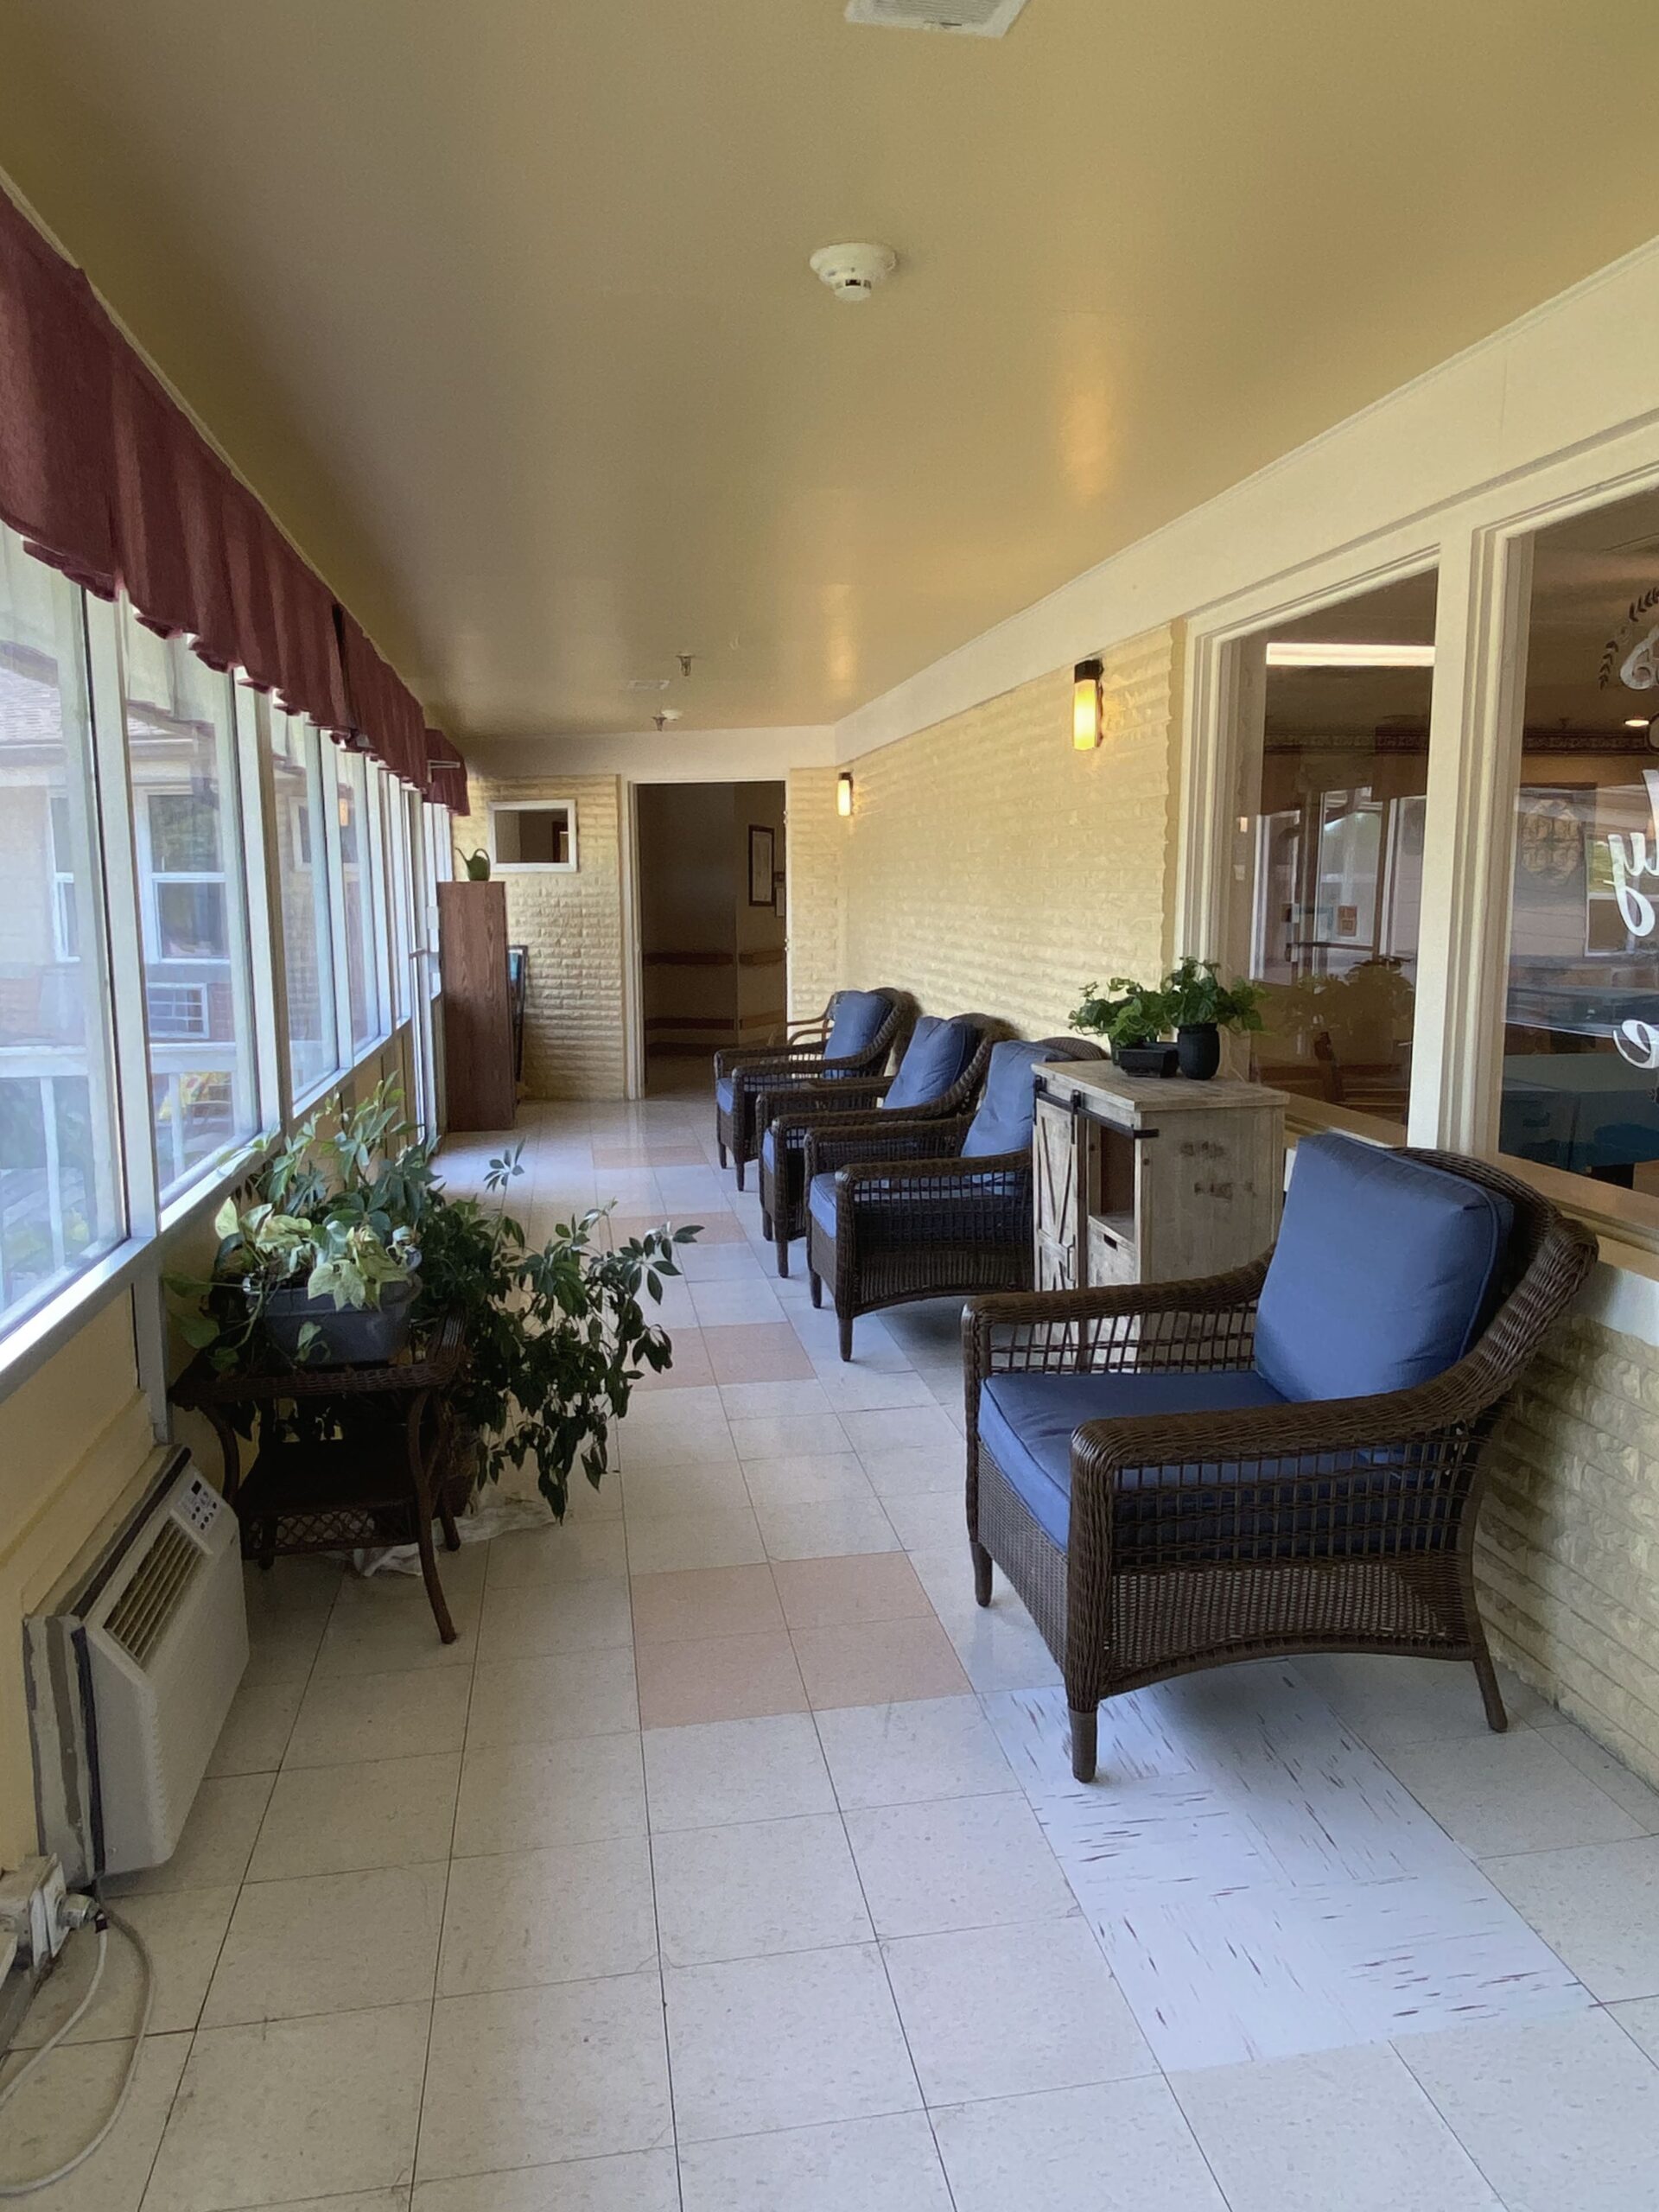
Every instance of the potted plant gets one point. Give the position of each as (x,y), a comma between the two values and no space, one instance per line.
(556,1335)
(1200,1006)
(1132,1018)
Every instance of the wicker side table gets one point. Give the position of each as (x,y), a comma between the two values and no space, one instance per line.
(379,1481)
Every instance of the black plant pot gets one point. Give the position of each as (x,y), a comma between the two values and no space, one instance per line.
(347,1335)
(1197,1048)
(1145,1059)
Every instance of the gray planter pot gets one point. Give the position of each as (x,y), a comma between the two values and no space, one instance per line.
(349,1336)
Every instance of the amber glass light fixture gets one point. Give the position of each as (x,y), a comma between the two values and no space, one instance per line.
(844,792)
(1085,705)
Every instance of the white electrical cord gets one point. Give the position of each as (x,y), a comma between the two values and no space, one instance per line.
(104,1919)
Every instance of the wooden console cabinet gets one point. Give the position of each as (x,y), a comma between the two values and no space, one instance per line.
(480,1092)
(1142,1178)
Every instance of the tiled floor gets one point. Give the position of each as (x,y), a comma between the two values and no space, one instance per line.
(731,1861)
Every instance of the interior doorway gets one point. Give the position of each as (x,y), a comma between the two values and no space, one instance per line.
(713,956)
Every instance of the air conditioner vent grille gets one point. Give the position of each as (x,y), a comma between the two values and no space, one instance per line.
(971,18)
(141,1614)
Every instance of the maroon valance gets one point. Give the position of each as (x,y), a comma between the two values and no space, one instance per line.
(103,474)
(448,772)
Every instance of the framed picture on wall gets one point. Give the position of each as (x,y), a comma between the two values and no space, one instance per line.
(760,857)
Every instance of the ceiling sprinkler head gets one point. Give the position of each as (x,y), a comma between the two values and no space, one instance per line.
(685,663)
(852,272)
(664,715)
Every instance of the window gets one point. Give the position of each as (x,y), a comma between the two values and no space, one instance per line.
(357,897)
(60,1200)
(192,914)
(526,833)
(1580,1069)
(440,868)
(1326,883)
(302,886)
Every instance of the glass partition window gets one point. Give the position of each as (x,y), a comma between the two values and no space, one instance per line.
(1328,856)
(302,884)
(357,898)
(440,868)
(60,1203)
(192,914)
(1580,1075)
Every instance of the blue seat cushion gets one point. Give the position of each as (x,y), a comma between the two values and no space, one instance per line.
(723,1093)
(1385,1272)
(822,1202)
(769,1149)
(1027,1423)
(1008,1107)
(859,1017)
(935,1058)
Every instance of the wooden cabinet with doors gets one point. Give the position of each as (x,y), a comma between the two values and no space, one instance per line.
(1142,1178)
(480,1092)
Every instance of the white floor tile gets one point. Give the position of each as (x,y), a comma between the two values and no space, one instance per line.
(907,1753)
(351,1718)
(929,1520)
(721,1772)
(748,1891)
(547,1700)
(1498,1794)
(1349,2127)
(893,1428)
(335,1820)
(1000,2012)
(1597,1906)
(961,1862)
(329,1943)
(808,1478)
(521,1623)
(521,1797)
(785,2042)
(218,1838)
(786,1436)
(729,1538)
(836,1528)
(536,1916)
(47,2123)
(915,1470)
(657,1493)
(1640,2021)
(1562,2114)
(1392,1702)
(182,1930)
(856,1389)
(257,1726)
(636,2181)
(1628,1791)
(294,2108)
(888,2164)
(539,1559)
(729,1305)
(1123,2147)
(526,2077)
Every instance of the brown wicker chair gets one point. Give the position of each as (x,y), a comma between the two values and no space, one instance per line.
(743,1074)
(818,1108)
(1197,1538)
(913,1217)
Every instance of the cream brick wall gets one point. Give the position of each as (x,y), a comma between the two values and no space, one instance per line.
(573,1038)
(817,906)
(989,866)
(1568,1551)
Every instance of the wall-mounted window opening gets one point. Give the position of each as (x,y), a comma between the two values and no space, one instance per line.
(533,834)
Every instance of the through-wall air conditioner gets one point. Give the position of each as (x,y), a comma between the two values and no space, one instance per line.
(130,1671)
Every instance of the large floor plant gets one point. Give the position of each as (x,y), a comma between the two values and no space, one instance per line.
(557,1333)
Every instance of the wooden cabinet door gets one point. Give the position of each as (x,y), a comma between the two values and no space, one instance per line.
(480,1087)
(1053,1162)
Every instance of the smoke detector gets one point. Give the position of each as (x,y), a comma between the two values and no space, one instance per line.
(852,272)
(971,18)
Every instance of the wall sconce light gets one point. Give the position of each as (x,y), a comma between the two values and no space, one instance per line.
(844,792)
(1085,705)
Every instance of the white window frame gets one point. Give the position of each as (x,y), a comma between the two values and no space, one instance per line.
(500,807)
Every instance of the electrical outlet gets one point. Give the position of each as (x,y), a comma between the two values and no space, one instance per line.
(34,1910)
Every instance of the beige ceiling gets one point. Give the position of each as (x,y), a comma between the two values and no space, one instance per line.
(503,304)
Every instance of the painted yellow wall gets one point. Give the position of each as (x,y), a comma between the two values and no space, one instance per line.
(574,1043)
(988,867)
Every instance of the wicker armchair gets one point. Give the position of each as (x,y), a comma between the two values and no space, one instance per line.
(863,1029)
(1211,1519)
(912,1094)
(896,1214)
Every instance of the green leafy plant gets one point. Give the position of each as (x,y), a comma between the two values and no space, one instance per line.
(1126,1014)
(1194,996)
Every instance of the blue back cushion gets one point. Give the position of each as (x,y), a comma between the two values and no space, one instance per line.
(1384,1275)
(934,1060)
(1009,1104)
(859,1017)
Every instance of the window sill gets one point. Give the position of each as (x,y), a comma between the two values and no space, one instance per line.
(28,1343)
